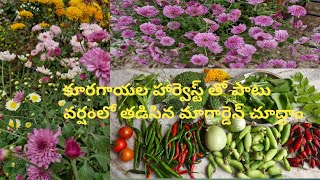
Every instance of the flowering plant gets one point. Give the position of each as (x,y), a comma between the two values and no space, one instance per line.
(233,34)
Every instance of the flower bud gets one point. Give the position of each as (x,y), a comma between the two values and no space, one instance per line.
(72,149)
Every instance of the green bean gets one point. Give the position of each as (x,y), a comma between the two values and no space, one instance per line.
(236,164)
(274,170)
(199,141)
(258,147)
(218,154)
(268,164)
(258,156)
(256,165)
(242,176)
(255,174)
(266,144)
(258,129)
(233,144)
(280,127)
(247,142)
(236,154)
(281,154)
(137,149)
(210,170)
(225,167)
(240,147)
(229,139)
(273,141)
(286,164)
(167,168)
(156,171)
(275,132)
(143,128)
(285,134)
(245,131)
(270,154)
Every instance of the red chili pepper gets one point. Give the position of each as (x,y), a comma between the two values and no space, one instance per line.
(199,155)
(289,142)
(306,125)
(183,172)
(303,143)
(316,142)
(299,130)
(316,132)
(294,164)
(303,154)
(312,163)
(175,128)
(299,156)
(307,149)
(291,149)
(308,134)
(293,129)
(149,173)
(318,163)
(182,159)
(297,143)
(314,151)
(193,159)
(294,160)
(187,127)
(177,151)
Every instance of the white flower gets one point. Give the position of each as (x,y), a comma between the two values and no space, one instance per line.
(3,93)
(34,97)
(43,70)
(28,64)
(15,124)
(61,103)
(11,105)
(55,29)
(22,57)
(45,36)
(6,56)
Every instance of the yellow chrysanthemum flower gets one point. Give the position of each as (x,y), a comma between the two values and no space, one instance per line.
(99,16)
(58,3)
(34,97)
(13,164)
(26,14)
(85,19)
(43,25)
(73,13)
(11,105)
(60,12)
(44,1)
(75,2)
(91,10)
(82,7)
(16,26)
(106,1)
(215,75)
(28,124)
(97,6)
(61,103)
(15,124)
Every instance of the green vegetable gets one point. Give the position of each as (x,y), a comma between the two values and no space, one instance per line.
(213,102)
(273,142)
(274,170)
(268,164)
(256,165)
(245,131)
(285,134)
(225,167)
(186,78)
(258,147)
(281,154)
(229,138)
(210,170)
(216,138)
(242,176)
(247,142)
(270,154)
(236,164)
(240,147)
(286,164)
(175,102)
(255,174)
(237,125)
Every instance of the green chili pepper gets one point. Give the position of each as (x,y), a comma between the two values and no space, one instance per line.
(190,147)
(173,151)
(167,168)
(159,129)
(151,142)
(199,141)
(273,141)
(247,142)
(212,161)
(137,149)
(167,141)
(156,171)
(135,171)
(285,134)
(143,128)
(177,137)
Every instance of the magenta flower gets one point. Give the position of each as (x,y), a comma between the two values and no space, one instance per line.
(255,2)
(217,9)
(18,96)
(297,11)
(238,29)
(222,18)
(98,36)
(35,173)
(167,41)
(127,34)
(41,147)
(310,57)
(254,30)
(267,44)
(281,35)
(173,25)
(160,34)
(148,28)
(172,11)
(147,11)
(263,21)
(316,38)
(72,149)
(156,21)
(234,42)
(236,65)
(291,64)
(97,61)
(247,50)
(276,63)
(214,27)
(215,48)
(234,15)
(125,20)
(197,10)
(19,177)
(205,39)
(190,35)
(262,36)
(199,60)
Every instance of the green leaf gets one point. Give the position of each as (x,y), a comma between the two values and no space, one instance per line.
(303,99)
(310,90)
(310,107)
(315,97)
(304,82)
(103,161)
(86,172)
(298,76)
(316,112)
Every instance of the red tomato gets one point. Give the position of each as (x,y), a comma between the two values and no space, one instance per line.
(125,132)
(126,155)
(119,144)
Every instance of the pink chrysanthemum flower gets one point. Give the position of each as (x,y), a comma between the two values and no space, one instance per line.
(246,50)
(255,2)
(214,27)
(41,147)
(291,64)
(199,60)
(147,11)
(128,33)
(234,42)
(18,96)
(281,35)
(254,30)
(262,36)
(297,11)
(205,39)
(125,20)
(35,173)
(190,35)
(197,10)
(268,44)
(263,21)
(98,36)
(97,61)
(309,57)
(215,48)
(238,29)
(167,41)
(222,18)
(156,21)
(217,9)
(160,34)
(172,11)
(276,63)
(236,65)
(316,38)
(148,28)
(234,15)
(173,25)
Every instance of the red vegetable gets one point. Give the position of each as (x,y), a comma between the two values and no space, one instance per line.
(289,142)
(294,160)
(316,142)
(304,154)
(291,149)
(125,132)
(175,128)
(312,163)
(297,143)
(316,132)
(183,172)
(182,159)
(299,130)
(149,173)
(119,145)
(318,163)
(303,143)
(314,151)
(307,149)
(306,125)
(187,127)
(177,151)
(293,129)
(308,134)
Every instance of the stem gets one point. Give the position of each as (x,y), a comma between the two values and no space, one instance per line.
(17,135)
(74,168)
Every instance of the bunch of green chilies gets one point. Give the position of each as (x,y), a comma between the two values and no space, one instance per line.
(165,156)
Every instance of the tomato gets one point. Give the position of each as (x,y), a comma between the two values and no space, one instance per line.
(126,155)
(125,132)
(119,145)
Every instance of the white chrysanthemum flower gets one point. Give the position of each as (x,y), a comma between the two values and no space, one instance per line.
(34,97)
(6,56)
(11,105)
(44,70)
(61,103)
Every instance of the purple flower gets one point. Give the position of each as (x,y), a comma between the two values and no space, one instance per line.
(291,64)
(128,33)
(298,24)
(263,21)
(316,38)
(98,36)
(262,36)
(19,177)
(97,61)
(222,18)
(4,154)
(41,147)
(156,21)
(199,60)
(238,29)
(254,30)
(247,50)
(267,44)
(172,11)
(54,52)
(309,57)
(72,149)
(197,10)
(190,35)
(234,15)
(214,27)
(276,25)
(147,11)
(302,40)
(148,28)
(255,2)
(35,173)
(234,42)
(236,65)
(125,20)
(281,35)
(18,96)
(215,48)
(276,63)
(173,25)
(167,41)
(160,34)
(205,39)
(297,11)
(217,9)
